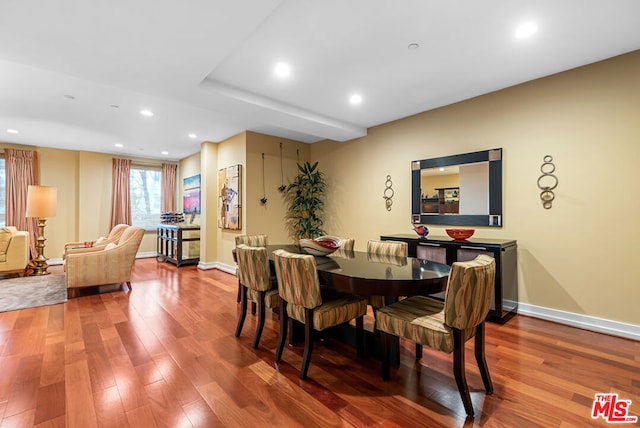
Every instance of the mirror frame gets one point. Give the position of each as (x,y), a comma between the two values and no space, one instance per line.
(494,218)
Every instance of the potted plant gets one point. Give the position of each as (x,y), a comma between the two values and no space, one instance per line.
(305,198)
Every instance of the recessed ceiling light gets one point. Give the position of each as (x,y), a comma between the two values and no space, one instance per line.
(282,69)
(119,145)
(147,113)
(526,30)
(192,135)
(355,99)
(13,131)
(70,97)
(413,46)
(114,106)
(164,152)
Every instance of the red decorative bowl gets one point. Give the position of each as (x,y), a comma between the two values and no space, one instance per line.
(460,234)
(322,246)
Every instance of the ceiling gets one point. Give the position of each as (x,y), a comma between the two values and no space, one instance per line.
(75,74)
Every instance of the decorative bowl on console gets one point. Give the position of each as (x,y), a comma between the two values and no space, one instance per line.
(322,246)
(460,234)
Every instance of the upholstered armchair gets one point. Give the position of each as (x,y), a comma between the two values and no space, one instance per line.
(14,251)
(446,326)
(110,264)
(98,244)
(301,299)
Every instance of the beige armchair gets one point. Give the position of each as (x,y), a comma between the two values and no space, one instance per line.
(14,251)
(98,244)
(110,264)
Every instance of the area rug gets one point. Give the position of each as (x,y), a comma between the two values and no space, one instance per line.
(32,291)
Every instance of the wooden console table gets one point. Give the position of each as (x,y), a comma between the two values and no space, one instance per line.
(171,242)
(445,250)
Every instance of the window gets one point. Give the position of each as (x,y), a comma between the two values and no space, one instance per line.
(3,193)
(145,184)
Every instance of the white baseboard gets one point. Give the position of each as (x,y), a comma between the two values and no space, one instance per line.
(586,322)
(217,265)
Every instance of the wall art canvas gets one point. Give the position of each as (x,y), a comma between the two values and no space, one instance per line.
(191,195)
(229,197)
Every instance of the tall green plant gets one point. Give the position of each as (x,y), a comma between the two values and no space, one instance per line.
(305,198)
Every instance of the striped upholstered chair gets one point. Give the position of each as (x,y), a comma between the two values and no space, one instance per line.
(252,241)
(302,300)
(382,249)
(257,286)
(109,265)
(446,326)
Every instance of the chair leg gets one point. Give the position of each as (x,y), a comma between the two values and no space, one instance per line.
(283,329)
(243,310)
(458,370)
(261,316)
(129,285)
(480,359)
(418,351)
(239,292)
(360,336)
(253,308)
(386,355)
(308,342)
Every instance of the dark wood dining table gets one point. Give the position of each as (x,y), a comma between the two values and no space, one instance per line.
(376,275)
(372,275)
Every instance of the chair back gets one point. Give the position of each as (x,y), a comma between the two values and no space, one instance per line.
(252,240)
(388,248)
(116,232)
(253,264)
(468,296)
(298,281)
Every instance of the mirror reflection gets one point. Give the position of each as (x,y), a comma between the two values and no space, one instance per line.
(455,189)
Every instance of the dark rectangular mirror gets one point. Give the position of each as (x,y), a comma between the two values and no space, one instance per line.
(458,190)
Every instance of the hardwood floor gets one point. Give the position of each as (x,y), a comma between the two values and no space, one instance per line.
(165,355)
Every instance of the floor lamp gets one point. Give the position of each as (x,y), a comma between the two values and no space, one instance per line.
(41,203)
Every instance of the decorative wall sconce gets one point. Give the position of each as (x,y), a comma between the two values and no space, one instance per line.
(388,193)
(547,168)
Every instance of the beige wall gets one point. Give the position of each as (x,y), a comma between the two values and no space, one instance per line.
(270,216)
(579,256)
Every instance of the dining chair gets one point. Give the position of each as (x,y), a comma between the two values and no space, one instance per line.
(257,286)
(446,326)
(302,300)
(252,241)
(388,249)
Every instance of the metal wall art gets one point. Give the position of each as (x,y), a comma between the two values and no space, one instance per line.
(547,182)
(282,186)
(263,200)
(388,193)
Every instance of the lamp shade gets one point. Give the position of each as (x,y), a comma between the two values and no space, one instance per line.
(42,201)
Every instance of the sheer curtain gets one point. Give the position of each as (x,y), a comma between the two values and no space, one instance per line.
(121,199)
(20,167)
(168,196)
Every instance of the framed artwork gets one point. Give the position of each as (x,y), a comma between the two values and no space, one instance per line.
(191,195)
(230,198)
